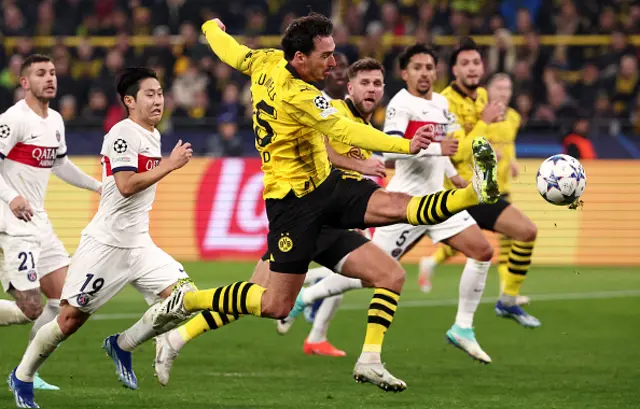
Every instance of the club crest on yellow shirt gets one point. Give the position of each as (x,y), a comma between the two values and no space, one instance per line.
(285,244)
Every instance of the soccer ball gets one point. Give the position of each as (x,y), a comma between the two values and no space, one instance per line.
(561,180)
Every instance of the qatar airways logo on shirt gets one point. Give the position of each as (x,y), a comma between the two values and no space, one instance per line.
(44,156)
(33,155)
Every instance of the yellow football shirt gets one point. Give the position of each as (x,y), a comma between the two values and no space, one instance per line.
(347,108)
(291,118)
(468,112)
(502,136)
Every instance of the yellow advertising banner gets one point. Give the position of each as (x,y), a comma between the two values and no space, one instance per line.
(213,209)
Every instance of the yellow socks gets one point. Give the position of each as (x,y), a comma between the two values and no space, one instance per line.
(443,253)
(518,266)
(381,310)
(203,322)
(438,207)
(239,298)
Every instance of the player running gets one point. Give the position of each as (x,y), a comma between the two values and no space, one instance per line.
(409,109)
(33,261)
(469,102)
(116,248)
(333,246)
(303,194)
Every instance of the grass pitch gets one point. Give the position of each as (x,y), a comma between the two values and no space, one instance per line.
(585,355)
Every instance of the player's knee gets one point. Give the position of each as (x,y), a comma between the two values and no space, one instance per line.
(529,232)
(483,252)
(392,279)
(69,323)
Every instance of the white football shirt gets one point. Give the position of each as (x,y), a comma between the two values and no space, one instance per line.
(29,147)
(124,221)
(424,173)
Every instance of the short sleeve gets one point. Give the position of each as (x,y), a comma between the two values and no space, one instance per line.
(10,133)
(62,148)
(122,151)
(396,120)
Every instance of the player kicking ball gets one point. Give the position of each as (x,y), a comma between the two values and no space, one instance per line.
(303,193)
(116,248)
(415,106)
(32,145)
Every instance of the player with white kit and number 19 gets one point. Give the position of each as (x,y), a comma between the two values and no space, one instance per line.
(33,261)
(116,248)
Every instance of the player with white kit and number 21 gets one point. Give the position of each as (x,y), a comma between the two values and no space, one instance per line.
(33,261)
(116,248)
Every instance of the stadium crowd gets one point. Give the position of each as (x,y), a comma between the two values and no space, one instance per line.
(553,84)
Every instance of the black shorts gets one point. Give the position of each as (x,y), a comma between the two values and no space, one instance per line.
(333,245)
(295,223)
(486,215)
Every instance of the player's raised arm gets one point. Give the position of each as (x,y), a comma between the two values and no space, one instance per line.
(228,49)
(312,109)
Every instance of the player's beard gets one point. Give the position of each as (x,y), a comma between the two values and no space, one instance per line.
(40,96)
(471,87)
(363,111)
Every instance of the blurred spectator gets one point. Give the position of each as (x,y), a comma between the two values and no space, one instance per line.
(24,47)
(161,50)
(113,64)
(524,23)
(14,23)
(86,64)
(502,56)
(199,110)
(585,90)
(225,141)
(141,21)
(187,84)
(9,80)
(624,86)
(231,102)
(256,22)
(341,37)
(559,109)
(522,81)
(370,44)
(576,142)
(68,108)
(524,106)
(46,20)
(96,108)
(619,47)
(391,21)
(601,123)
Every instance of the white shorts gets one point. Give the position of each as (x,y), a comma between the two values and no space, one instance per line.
(98,272)
(397,239)
(24,260)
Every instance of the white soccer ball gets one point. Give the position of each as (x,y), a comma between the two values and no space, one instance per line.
(561,180)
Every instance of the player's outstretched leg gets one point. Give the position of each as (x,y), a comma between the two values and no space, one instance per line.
(169,345)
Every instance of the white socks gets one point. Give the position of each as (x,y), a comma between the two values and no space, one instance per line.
(324,315)
(49,313)
(335,284)
(45,342)
(472,281)
(140,332)
(316,274)
(11,314)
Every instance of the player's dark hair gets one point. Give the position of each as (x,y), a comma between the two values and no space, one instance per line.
(33,59)
(300,34)
(415,49)
(364,64)
(465,44)
(128,82)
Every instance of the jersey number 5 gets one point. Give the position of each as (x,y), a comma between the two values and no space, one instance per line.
(262,129)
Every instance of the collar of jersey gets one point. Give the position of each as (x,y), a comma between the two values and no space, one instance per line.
(354,110)
(457,89)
